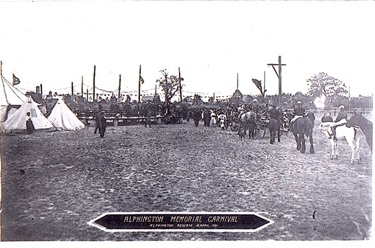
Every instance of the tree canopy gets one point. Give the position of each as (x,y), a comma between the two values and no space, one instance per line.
(325,85)
(169,84)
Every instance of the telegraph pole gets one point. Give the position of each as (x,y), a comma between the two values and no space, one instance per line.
(278,74)
(119,89)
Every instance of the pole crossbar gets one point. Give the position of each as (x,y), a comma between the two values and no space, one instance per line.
(278,74)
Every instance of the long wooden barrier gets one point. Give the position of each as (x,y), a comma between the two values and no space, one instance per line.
(125,121)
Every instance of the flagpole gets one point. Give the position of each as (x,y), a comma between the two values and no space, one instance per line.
(119,88)
(179,81)
(139,85)
(237,81)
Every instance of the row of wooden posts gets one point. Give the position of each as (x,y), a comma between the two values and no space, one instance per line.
(140,79)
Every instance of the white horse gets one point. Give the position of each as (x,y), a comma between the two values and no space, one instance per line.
(342,133)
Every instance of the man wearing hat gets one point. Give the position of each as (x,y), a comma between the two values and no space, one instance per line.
(298,111)
(327,118)
(341,118)
(342,114)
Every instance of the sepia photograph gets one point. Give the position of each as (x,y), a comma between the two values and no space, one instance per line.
(186,121)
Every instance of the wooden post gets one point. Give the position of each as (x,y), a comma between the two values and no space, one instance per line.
(93,85)
(72,88)
(82,86)
(87,94)
(264,83)
(237,81)
(280,87)
(349,100)
(179,81)
(41,91)
(139,85)
(119,89)
(278,74)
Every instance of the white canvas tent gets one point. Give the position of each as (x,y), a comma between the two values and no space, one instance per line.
(10,99)
(63,118)
(16,122)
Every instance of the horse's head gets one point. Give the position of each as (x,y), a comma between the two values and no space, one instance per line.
(354,120)
(311,116)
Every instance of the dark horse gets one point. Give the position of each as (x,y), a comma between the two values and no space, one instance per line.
(303,127)
(358,120)
(274,126)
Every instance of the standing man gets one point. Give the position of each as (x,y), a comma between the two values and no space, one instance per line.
(206,117)
(102,125)
(197,116)
(97,121)
(29,124)
(148,118)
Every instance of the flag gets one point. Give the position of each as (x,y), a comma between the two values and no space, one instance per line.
(257,83)
(141,79)
(16,80)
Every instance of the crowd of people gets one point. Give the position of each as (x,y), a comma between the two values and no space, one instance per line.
(222,115)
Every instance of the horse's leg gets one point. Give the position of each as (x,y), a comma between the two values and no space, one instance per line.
(312,150)
(334,147)
(357,148)
(352,147)
(297,141)
(303,143)
(278,133)
(272,140)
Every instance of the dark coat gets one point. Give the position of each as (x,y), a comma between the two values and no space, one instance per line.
(300,111)
(341,115)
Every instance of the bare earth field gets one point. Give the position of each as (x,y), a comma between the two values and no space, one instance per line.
(54,183)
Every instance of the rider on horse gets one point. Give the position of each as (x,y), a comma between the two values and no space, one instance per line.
(341,119)
(298,111)
(274,113)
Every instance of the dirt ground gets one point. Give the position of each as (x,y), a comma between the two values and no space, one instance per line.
(54,183)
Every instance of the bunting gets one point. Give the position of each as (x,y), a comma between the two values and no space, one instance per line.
(257,83)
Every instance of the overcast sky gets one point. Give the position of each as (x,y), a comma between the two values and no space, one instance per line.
(55,44)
